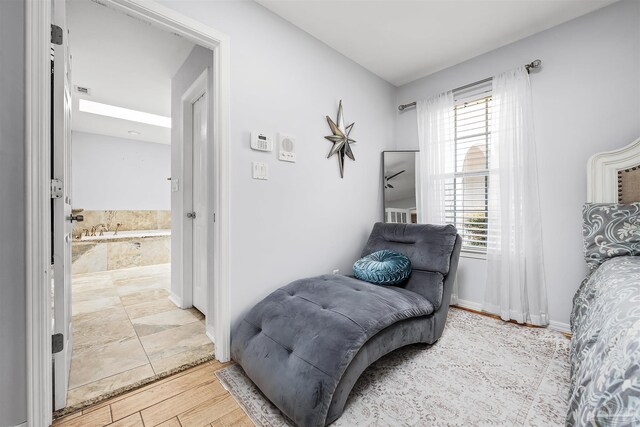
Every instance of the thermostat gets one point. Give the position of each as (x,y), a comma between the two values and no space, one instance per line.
(261,142)
(286,148)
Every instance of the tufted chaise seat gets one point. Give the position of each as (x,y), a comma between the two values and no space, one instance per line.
(307,343)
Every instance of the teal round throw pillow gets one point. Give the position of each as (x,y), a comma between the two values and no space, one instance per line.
(384,267)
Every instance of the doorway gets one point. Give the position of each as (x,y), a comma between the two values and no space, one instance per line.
(119,327)
(38,211)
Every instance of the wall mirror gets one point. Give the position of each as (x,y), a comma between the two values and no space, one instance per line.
(399,181)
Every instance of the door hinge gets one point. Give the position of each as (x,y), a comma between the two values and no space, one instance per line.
(56,188)
(56,34)
(57,343)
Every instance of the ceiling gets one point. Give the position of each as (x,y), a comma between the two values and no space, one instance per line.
(401,41)
(124,62)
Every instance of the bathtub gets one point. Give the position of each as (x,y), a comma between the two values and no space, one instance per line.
(128,248)
(125,234)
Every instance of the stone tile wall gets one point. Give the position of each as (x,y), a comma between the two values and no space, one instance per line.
(91,256)
(116,252)
(129,220)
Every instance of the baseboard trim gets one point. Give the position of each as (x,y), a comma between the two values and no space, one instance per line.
(560,327)
(176,300)
(471,305)
(477,308)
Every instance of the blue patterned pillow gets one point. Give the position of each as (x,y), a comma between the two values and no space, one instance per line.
(610,230)
(384,267)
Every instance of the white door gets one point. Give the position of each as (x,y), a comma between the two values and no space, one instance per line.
(199,136)
(61,204)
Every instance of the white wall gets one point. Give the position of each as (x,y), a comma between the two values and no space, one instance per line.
(586,100)
(111,173)
(13,347)
(304,220)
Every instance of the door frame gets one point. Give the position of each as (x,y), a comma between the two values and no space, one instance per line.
(183,262)
(38,197)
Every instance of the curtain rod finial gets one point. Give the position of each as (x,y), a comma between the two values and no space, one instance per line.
(535,64)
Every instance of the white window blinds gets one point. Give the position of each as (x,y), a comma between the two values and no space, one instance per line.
(466,191)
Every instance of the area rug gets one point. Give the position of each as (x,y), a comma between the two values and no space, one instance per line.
(481,372)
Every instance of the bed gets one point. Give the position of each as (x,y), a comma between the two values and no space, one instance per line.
(307,343)
(605,319)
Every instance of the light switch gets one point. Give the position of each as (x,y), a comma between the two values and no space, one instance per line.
(175,185)
(259,170)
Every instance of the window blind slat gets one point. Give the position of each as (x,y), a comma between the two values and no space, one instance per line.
(466,192)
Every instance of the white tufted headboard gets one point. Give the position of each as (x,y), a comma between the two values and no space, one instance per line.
(614,176)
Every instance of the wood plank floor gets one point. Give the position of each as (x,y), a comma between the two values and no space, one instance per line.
(194,397)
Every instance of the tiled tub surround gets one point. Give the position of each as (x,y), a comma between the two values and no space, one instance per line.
(126,331)
(129,220)
(143,238)
(126,249)
(122,235)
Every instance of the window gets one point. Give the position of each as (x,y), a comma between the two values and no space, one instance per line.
(466,195)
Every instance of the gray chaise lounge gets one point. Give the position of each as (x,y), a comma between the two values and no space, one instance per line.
(307,343)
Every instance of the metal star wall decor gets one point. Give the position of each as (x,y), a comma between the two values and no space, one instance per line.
(340,139)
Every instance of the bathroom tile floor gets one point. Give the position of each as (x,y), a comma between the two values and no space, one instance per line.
(125,330)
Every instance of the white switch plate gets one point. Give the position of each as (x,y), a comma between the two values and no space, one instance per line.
(175,185)
(259,170)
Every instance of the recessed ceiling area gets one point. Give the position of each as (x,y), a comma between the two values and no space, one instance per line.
(401,41)
(124,63)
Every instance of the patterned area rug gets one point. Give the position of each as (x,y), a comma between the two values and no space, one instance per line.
(481,372)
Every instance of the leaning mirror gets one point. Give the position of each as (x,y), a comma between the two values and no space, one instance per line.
(399,180)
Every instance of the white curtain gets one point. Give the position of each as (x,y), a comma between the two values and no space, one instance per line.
(437,161)
(516,286)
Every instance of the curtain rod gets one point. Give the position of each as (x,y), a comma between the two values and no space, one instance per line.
(535,64)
